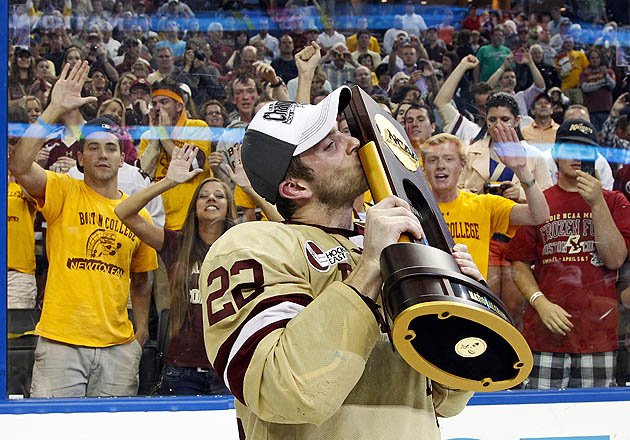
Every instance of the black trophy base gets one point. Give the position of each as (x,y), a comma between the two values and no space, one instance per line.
(447,326)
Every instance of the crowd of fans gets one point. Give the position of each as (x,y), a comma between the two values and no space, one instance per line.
(173,75)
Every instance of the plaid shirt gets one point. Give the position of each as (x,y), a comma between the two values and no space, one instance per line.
(339,77)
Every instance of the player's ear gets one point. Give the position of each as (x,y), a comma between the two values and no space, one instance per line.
(294,189)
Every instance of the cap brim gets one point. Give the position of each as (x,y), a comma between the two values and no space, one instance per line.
(576,140)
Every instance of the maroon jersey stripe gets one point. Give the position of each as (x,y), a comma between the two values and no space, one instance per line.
(240,361)
(220,361)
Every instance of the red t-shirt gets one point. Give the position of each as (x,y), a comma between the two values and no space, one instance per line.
(571,274)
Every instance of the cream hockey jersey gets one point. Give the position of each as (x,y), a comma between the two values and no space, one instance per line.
(300,350)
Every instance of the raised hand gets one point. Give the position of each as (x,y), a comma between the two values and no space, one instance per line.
(428,69)
(469,62)
(508,147)
(308,58)
(237,172)
(266,72)
(181,161)
(589,187)
(215,159)
(508,61)
(66,94)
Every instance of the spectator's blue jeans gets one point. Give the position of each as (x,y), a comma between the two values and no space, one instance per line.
(187,381)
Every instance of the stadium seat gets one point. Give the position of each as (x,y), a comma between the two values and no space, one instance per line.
(21,349)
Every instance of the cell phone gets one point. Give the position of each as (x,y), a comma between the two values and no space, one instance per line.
(588,166)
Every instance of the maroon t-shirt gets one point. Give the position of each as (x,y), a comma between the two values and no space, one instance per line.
(187,349)
(571,274)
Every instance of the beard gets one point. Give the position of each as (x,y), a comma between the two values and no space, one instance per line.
(338,190)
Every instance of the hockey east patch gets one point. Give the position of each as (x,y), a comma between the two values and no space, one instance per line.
(321,260)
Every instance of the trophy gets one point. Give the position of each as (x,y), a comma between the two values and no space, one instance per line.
(445,325)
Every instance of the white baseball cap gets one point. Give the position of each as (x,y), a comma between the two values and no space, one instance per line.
(284,129)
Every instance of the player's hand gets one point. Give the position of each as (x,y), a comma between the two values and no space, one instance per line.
(181,161)
(589,187)
(308,58)
(385,223)
(555,318)
(465,262)
(619,104)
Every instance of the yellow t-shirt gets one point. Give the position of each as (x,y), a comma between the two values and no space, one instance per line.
(91,255)
(352,44)
(176,200)
(20,231)
(571,65)
(244,201)
(472,219)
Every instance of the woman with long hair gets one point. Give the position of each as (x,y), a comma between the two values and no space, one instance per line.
(211,212)
(121,91)
(72,55)
(23,80)
(114,109)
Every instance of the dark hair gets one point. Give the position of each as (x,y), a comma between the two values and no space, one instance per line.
(381,69)
(502,99)
(421,107)
(170,84)
(453,57)
(298,170)
(363,32)
(192,251)
(382,99)
(216,102)
(364,56)
(402,91)
(243,77)
(481,88)
(17,114)
(463,37)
